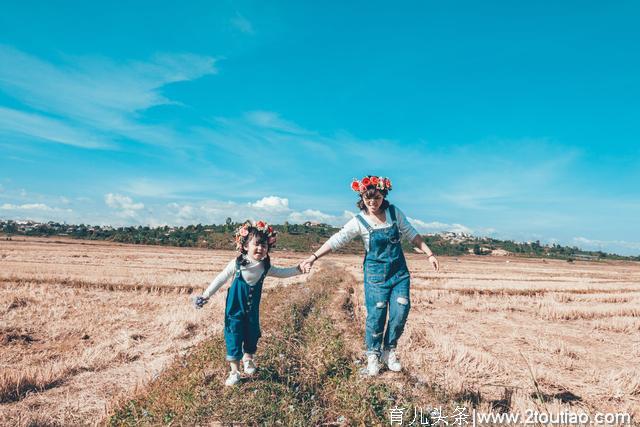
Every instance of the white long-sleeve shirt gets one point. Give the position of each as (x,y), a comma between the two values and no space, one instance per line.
(355,228)
(251,273)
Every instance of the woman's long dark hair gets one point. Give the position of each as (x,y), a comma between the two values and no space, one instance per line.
(370,193)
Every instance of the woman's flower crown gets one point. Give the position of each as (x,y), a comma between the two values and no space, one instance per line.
(369,181)
(242,233)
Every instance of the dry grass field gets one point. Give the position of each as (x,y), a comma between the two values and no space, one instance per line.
(85,324)
(505,331)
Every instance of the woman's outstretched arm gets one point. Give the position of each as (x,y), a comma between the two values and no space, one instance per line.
(322,251)
(419,243)
(338,240)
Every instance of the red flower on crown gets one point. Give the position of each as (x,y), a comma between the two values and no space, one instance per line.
(378,182)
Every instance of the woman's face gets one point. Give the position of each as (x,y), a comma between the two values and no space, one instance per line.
(373,203)
(256,250)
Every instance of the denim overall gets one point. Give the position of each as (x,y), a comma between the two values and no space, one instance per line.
(386,286)
(242,315)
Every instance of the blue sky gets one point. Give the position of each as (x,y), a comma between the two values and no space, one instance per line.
(510,119)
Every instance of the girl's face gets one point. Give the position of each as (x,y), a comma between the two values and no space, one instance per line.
(256,249)
(373,203)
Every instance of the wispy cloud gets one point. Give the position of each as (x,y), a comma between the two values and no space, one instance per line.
(47,129)
(90,95)
(594,244)
(530,174)
(242,24)
(272,120)
(27,207)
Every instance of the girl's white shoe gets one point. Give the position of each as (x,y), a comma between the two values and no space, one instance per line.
(391,360)
(249,366)
(373,365)
(234,378)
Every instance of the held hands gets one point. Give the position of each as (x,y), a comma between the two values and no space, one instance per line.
(198,301)
(305,266)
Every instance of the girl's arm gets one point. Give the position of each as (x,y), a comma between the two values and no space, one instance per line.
(220,279)
(350,230)
(415,238)
(284,272)
(199,301)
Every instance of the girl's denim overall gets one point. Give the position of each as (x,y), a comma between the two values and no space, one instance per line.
(386,286)
(242,315)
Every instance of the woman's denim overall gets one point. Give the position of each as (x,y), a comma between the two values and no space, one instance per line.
(242,315)
(386,286)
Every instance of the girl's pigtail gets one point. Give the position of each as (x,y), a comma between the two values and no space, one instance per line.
(241,259)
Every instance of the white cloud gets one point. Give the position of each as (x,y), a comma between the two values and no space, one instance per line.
(183,212)
(272,203)
(34,211)
(118,201)
(26,206)
(436,226)
(242,23)
(272,209)
(124,205)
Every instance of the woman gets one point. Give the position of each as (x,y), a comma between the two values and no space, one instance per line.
(386,277)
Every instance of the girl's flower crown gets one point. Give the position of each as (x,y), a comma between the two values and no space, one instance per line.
(369,181)
(242,233)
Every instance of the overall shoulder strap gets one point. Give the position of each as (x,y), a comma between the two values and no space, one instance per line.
(364,222)
(238,265)
(267,266)
(392,213)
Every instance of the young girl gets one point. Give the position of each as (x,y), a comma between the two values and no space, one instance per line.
(386,277)
(242,312)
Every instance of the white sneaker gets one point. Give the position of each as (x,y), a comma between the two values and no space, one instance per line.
(249,366)
(234,378)
(373,365)
(391,360)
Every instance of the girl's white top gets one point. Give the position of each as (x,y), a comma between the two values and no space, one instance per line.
(355,228)
(251,273)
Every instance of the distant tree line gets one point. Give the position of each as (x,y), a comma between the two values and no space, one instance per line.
(293,237)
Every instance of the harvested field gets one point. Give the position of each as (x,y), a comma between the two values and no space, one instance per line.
(86,325)
(486,328)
